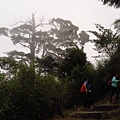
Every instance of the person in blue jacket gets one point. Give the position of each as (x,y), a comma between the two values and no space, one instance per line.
(114,88)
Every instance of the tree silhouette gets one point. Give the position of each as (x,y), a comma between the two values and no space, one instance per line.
(61,35)
(114,3)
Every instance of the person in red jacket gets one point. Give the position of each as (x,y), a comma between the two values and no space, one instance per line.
(85,90)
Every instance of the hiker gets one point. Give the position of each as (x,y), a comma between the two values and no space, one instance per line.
(114,88)
(85,91)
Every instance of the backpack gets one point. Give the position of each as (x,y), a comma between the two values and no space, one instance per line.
(82,89)
(109,82)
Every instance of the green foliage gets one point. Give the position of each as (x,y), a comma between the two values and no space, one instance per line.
(48,65)
(26,75)
(8,64)
(2,77)
(106,41)
(29,96)
(73,58)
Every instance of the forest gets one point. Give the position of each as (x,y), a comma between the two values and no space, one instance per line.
(55,66)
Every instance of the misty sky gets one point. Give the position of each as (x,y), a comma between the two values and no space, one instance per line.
(82,13)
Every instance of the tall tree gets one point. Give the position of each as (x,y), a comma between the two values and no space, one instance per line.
(62,34)
(65,35)
(52,42)
(27,35)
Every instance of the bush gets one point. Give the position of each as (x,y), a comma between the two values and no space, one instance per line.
(29,97)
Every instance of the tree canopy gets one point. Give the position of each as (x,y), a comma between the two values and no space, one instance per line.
(61,35)
(106,42)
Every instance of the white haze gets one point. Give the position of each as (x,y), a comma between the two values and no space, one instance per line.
(82,13)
